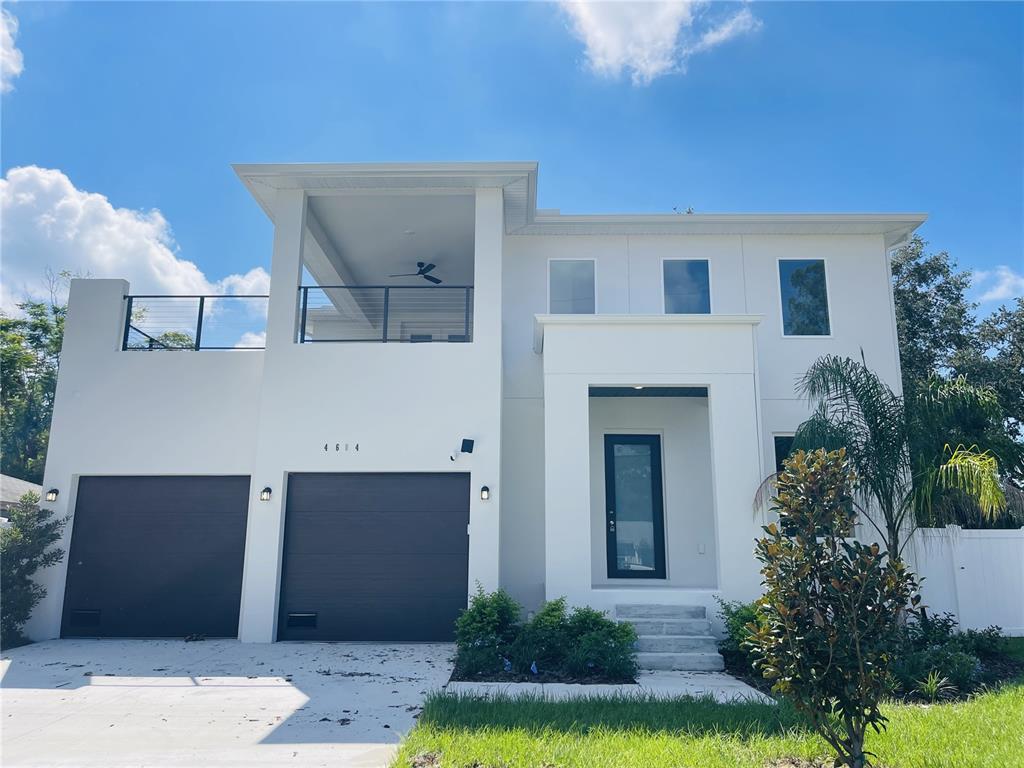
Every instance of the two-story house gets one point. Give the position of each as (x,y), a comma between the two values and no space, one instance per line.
(455,389)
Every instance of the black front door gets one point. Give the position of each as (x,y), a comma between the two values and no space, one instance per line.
(634,507)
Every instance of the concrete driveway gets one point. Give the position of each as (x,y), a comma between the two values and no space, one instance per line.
(212,703)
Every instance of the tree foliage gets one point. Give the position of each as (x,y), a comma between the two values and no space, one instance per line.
(828,621)
(26,546)
(940,335)
(29,353)
(908,452)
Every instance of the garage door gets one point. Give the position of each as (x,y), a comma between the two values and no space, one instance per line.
(374,556)
(156,557)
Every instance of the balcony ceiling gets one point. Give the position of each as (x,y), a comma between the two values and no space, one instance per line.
(377,235)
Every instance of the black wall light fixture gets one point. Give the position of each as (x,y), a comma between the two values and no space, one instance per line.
(485,493)
(51,495)
(265,494)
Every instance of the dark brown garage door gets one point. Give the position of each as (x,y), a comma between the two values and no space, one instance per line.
(156,557)
(374,556)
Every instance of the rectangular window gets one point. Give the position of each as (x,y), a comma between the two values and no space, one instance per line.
(687,286)
(804,297)
(783,447)
(571,287)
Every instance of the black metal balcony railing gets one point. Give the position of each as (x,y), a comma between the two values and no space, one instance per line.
(427,313)
(168,323)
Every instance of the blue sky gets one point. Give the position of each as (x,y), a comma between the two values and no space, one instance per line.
(766,107)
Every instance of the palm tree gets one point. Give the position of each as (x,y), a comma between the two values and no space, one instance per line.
(901,447)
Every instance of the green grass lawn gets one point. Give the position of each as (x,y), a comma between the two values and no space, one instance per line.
(459,732)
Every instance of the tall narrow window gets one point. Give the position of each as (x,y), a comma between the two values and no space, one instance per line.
(804,297)
(783,447)
(571,287)
(687,286)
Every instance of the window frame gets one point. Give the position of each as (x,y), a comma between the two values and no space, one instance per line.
(828,298)
(664,303)
(592,260)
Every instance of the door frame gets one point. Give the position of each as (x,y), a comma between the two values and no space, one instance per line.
(657,495)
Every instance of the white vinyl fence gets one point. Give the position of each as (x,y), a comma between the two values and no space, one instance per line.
(978,576)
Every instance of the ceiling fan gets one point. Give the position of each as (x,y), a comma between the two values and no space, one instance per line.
(422,269)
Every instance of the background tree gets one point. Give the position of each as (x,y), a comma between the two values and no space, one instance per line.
(934,319)
(996,359)
(29,355)
(25,547)
(827,630)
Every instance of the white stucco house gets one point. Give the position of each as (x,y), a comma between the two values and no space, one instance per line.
(456,388)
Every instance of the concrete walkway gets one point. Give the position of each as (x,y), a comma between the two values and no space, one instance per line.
(717,685)
(113,703)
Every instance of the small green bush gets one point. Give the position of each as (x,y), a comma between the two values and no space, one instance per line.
(960,669)
(491,621)
(738,618)
(933,643)
(554,643)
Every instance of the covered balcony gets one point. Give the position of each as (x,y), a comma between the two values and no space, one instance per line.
(387,268)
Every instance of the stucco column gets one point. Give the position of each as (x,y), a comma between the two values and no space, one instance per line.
(484,515)
(264,538)
(737,470)
(94,330)
(567,488)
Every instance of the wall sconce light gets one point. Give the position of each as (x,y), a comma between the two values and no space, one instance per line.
(265,494)
(485,493)
(52,494)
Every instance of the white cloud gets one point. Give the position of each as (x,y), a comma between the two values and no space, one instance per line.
(998,284)
(250,339)
(12,63)
(650,39)
(48,223)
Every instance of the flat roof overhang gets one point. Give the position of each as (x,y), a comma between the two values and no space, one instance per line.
(519,182)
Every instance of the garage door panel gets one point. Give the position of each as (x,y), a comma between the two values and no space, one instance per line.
(385,556)
(156,557)
(399,492)
(383,532)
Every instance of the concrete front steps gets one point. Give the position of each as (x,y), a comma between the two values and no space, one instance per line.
(672,637)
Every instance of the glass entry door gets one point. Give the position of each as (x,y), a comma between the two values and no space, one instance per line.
(634,507)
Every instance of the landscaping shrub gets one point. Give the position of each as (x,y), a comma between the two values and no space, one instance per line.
(555,644)
(832,606)
(484,631)
(933,644)
(738,618)
(961,669)
(25,547)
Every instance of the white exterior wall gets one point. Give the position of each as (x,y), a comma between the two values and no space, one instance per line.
(628,276)
(269,413)
(138,413)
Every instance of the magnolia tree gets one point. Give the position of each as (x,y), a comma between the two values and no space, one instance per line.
(832,606)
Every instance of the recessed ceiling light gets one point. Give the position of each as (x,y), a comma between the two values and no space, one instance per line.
(637,387)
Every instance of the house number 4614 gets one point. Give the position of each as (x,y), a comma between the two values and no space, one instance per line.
(339,447)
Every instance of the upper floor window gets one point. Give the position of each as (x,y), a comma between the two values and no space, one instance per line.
(804,297)
(687,286)
(571,287)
